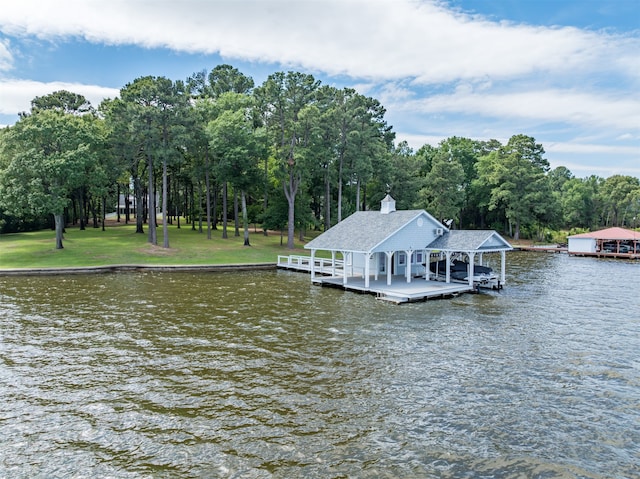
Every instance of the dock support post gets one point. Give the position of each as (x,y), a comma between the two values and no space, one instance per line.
(345,255)
(367,267)
(312,264)
(333,264)
(503,266)
(470,272)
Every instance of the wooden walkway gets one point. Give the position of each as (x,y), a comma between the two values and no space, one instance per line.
(563,249)
(399,291)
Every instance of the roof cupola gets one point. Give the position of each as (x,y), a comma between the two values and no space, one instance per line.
(387,205)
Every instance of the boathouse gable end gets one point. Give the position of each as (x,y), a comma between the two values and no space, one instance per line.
(470,240)
(413,236)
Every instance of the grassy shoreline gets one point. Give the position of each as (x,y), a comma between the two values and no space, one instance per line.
(119,245)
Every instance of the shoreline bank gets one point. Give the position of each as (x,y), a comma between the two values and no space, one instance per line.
(120,268)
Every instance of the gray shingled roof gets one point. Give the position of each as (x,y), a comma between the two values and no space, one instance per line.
(362,231)
(470,240)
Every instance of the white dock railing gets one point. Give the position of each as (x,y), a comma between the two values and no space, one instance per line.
(324,266)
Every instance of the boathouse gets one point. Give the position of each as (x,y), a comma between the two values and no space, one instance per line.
(388,252)
(608,242)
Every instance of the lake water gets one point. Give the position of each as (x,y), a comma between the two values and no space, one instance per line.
(263,375)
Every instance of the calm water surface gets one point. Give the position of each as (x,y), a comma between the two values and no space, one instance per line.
(262,375)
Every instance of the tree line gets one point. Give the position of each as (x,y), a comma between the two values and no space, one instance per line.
(288,154)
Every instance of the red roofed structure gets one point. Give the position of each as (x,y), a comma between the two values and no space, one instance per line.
(618,242)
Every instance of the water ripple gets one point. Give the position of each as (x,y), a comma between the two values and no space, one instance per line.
(263,375)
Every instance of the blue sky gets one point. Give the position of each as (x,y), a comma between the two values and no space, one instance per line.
(566,72)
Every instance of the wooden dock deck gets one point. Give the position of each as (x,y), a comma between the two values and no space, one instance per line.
(563,249)
(399,291)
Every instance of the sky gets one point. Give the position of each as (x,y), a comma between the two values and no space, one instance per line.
(566,72)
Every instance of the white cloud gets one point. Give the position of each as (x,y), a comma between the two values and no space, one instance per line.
(591,149)
(6,58)
(381,39)
(439,72)
(567,106)
(16,95)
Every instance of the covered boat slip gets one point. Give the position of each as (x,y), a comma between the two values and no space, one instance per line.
(611,242)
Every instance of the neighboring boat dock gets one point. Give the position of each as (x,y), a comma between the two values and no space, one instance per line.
(541,248)
(563,249)
(608,243)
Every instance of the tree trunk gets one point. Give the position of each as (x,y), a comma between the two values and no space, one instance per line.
(236,218)
(59,222)
(327,201)
(224,210)
(137,186)
(199,207)
(290,192)
(165,226)
(265,203)
(82,214)
(118,203)
(104,211)
(153,239)
(192,209)
(340,191)
(207,181)
(245,219)
(214,207)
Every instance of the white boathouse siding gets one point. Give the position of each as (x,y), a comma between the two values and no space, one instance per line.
(416,235)
(582,245)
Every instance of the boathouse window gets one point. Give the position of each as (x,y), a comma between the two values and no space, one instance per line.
(416,257)
(402,259)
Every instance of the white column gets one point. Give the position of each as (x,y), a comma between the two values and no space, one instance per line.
(345,256)
(333,264)
(503,266)
(377,266)
(367,266)
(470,271)
(408,269)
(313,264)
(389,259)
(448,267)
(427,258)
(480,259)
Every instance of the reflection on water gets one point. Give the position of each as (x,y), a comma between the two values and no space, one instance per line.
(261,374)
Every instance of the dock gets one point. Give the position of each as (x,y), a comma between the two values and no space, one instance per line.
(399,291)
(542,249)
(564,249)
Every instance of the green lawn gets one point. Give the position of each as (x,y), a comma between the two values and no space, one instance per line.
(120,244)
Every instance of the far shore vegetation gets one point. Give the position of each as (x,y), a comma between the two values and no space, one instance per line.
(290,154)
